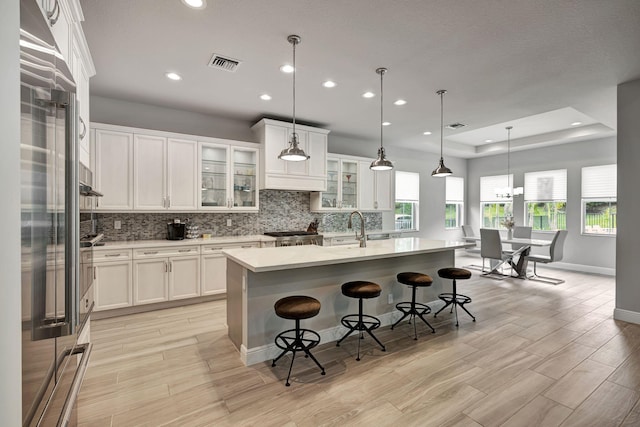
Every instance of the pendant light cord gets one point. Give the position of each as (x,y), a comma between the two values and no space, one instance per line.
(441,123)
(381,104)
(508,128)
(294,42)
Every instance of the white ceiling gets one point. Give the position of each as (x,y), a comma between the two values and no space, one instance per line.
(537,65)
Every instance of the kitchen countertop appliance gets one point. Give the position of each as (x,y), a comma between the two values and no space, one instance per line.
(295,238)
(176,230)
(53,361)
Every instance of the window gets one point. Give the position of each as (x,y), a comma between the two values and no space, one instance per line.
(407,200)
(545,197)
(599,200)
(493,207)
(454,207)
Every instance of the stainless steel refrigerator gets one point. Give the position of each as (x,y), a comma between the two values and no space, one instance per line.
(53,363)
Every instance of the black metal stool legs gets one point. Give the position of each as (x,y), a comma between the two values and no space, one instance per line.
(413,309)
(361,323)
(454,299)
(294,340)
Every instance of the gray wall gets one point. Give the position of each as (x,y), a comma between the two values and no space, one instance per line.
(10,356)
(597,252)
(628,243)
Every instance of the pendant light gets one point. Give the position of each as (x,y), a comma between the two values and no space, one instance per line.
(509,192)
(293,153)
(381,163)
(441,170)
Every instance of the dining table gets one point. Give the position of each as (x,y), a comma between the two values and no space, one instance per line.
(521,265)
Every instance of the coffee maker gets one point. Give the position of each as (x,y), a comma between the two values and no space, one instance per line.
(176,230)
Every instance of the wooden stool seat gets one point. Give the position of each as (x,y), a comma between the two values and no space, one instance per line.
(297,307)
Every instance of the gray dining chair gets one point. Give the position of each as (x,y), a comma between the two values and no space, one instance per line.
(556,250)
(491,248)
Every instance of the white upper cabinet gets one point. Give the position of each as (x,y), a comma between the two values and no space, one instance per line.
(228,177)
(113,152)
(343,186)
(156,171)
(376,188)
(308,175)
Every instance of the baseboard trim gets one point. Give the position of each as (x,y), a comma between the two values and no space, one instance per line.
(270,351)
(626,316)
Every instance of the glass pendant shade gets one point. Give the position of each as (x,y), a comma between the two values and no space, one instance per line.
(381,163)
(293,153)
(441,170)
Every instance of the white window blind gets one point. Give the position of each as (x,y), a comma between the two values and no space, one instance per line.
(454,188)
(490,184)
(599,182)
(407,186)
(545,186)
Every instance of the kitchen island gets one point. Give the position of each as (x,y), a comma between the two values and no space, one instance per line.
(257,278)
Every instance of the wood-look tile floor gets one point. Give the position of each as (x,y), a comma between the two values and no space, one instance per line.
(538,355)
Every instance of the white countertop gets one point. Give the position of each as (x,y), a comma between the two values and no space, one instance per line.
(285,258)
(133,244)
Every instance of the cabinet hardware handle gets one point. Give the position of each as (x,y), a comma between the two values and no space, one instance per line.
(151,253)
(94,272)
(170,266)
(165,267)
(111,255)
(216,249)
(54,13)
(184,250)
(248,246)
(84,128)
(164,202)
(168,202)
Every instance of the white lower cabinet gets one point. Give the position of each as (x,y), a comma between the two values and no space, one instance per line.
(214,266)
(165,274)
(112,279)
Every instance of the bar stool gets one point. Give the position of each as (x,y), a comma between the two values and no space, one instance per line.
(293,340)
(454,298)
(360,322)
(414,308)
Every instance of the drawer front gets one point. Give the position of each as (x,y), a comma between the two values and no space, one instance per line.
(212,249)
(111,255)
(165,252)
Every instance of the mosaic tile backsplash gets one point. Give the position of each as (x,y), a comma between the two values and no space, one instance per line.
(279,211)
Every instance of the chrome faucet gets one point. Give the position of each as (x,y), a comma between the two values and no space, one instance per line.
(363,236)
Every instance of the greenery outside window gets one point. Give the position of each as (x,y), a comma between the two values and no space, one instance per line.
(407,200)
(545,196)
(494,208)
(599,200)
(454,206)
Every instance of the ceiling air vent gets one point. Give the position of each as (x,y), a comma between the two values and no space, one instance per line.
(222,63)
(455,126)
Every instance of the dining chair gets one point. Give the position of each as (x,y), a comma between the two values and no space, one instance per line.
(519,232)
(556,250)
(491,248)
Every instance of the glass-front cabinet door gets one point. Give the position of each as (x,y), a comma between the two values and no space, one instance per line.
(245,185)
(214,173)
(331,198)
(349,184)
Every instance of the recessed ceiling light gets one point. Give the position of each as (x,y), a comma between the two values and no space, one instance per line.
(576,123)
(386,123)
(368,95)
(286,68)
(488,140)
(426,133)
(329,83)
(173,76)
(265,97)
(400,102)
(195,4)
